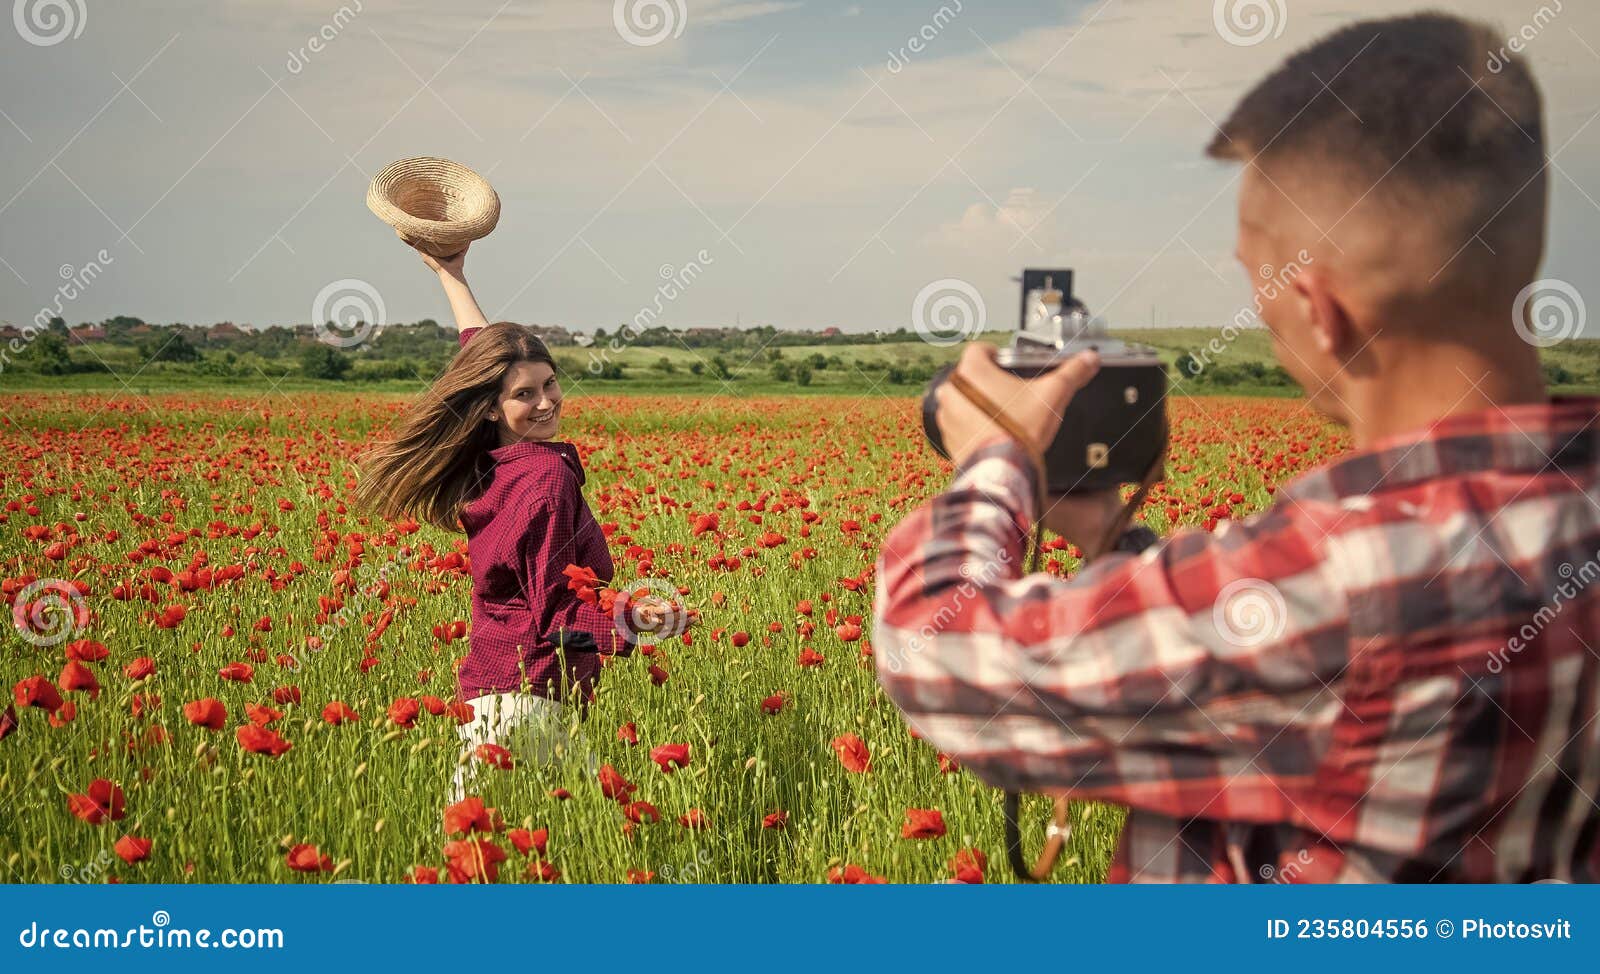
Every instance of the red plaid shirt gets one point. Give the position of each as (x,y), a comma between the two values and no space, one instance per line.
(1389,675)
(529,523)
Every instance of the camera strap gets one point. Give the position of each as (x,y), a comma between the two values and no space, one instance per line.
(1060,827)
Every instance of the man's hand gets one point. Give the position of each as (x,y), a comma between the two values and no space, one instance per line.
(1034,405)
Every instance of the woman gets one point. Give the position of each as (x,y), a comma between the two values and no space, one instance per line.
(479,447)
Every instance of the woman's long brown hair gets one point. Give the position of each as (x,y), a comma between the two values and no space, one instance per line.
(436,458)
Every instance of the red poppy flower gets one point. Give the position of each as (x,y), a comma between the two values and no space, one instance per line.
(261,715)
(462,712)
(140,668)
(495,756)
(560,794)
(776,820)
(87,651)
(848,632)
(658,675)
(338,712)
(286,695)
(433,705)
(64,714)
(641,812)
(469,815)
(810,657)
(525,841)
(740,639)
(36,691)
(967,866)
(613,785)
(306,858)
(542,871)
(260,740)
(104,800)
(695,819)
(8,722)
(774,703)
(132,849)
(76,676)
(670,757)
(404,712)
(853,875)
(853,753)
(421,876)
(238,672)
(628,733)
(948,764)
(144,703)
(640,877)
(171,616)
(583,582)
(922,823)
(474,859)
(208,712)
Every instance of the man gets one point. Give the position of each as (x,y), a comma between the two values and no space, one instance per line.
(1425,709)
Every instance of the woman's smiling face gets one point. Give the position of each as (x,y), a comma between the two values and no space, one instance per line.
(529,406)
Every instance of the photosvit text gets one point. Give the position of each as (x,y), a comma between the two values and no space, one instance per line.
(1412,928)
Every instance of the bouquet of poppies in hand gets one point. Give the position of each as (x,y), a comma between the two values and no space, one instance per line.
(638,611)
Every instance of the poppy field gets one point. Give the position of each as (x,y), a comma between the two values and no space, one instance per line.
(217,669)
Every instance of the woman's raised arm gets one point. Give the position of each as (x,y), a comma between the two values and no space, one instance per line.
(453,278)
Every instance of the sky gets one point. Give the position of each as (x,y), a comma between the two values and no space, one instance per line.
(818,163)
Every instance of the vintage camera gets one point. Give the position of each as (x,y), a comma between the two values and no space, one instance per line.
(1116,426)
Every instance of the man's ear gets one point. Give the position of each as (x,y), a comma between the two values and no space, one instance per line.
(1331,329)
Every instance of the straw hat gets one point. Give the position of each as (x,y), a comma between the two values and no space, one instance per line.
(438,205)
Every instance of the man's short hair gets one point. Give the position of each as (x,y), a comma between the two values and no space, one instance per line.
(1426,110)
